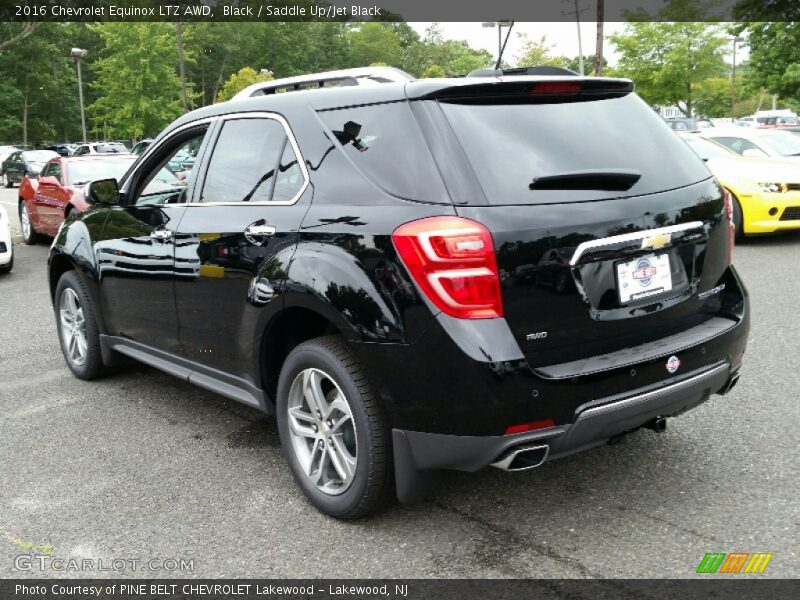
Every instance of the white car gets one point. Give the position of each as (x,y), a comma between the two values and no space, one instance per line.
(101,148)
(756,143)
(6,247)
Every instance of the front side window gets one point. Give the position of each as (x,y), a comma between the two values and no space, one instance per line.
(168,180)
(253,161)
(54,171)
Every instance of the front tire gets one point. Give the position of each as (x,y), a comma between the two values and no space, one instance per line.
(333,430)
(738,218)
(8,182)
(29,234)
(77,328)
(6,268)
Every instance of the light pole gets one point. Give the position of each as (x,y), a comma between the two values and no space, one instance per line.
(77,55)
(499,25)
(735,41)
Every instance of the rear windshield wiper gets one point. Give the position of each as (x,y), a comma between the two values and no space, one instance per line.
(612,180)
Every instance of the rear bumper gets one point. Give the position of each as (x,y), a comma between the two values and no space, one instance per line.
(417,455)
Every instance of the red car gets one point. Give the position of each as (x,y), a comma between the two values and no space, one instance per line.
(45,202)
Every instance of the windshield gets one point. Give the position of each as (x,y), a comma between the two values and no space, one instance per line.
(38,155)
(707,150)
(511,145)
(783,143)
(84,171)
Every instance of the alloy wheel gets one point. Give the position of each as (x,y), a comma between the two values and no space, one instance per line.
(73,327)
(322,431)
(25,221)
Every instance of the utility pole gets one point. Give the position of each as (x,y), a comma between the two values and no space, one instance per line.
(577,12)
(77,55)
(598,47)
(735,41)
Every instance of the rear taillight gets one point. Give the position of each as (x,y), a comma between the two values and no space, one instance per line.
(452,261)
(726,195)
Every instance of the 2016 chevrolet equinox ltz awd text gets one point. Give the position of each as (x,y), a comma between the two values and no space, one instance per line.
(415,275)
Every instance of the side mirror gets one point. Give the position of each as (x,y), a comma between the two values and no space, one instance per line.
(753,153)
(102,191)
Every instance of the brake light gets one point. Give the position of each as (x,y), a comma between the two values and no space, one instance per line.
(726,195)
(452,261)
(556,87)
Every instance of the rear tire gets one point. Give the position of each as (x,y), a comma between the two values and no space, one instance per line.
(77,328)
(340,457)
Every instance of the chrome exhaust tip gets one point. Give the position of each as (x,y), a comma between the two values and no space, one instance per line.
(522,458)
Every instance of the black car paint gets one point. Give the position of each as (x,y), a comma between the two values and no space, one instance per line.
(333,257)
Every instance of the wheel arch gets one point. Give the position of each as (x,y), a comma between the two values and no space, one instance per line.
(285,331)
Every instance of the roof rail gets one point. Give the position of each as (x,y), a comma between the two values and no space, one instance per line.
(343,77)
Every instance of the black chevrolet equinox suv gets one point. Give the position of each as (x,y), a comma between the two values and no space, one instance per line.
(415,275)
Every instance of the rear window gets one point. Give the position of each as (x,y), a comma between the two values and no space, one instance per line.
(385,142)
(510,145)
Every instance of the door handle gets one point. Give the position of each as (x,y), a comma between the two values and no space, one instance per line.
(161,234)
(257,230)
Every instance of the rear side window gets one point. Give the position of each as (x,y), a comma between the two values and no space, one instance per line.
(253,161)
(385,142)
(510,145)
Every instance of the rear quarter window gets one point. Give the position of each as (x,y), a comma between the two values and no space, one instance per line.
(384,141)
(508,145)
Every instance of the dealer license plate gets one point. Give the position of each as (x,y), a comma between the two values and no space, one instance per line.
(644,277)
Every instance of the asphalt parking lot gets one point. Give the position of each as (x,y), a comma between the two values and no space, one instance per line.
(143,466)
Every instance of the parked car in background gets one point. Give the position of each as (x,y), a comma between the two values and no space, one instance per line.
(5,152)
(141,146)
(337,252)
(101,148)
(24,163)
(60,149)
(688,124)
(756,143)
(6,245)
(45,202)
(765,191)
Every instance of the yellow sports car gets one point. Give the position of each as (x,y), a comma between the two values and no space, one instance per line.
(765,191)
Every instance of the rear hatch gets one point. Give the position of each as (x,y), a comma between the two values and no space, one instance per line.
(605,224)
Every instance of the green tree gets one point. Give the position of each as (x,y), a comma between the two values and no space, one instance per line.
(37,84)
(536,53)
(775,57)
(375,42)
(433,71)
(669,61)
(137,76)
(240,80)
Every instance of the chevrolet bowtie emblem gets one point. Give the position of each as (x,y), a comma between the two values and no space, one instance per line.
(656,242)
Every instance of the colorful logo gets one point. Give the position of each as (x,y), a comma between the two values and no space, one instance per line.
(734,562)
(644,272)
(673,363)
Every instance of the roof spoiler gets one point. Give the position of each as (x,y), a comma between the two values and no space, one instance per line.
(539,70)
(548,90)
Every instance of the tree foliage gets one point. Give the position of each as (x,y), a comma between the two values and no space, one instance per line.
(240,80)
(670,61)
(131,81)
(137,79)
(775,57)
